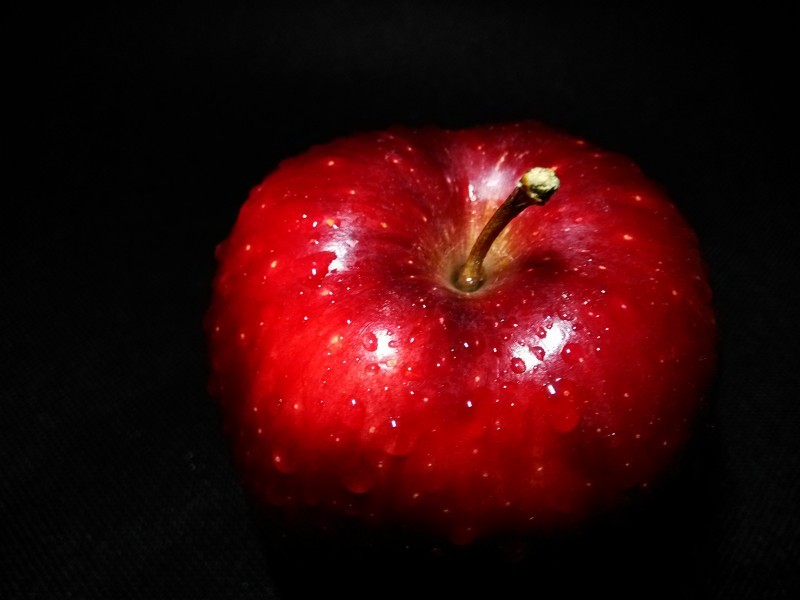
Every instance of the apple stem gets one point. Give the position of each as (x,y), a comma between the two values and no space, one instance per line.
(534,187)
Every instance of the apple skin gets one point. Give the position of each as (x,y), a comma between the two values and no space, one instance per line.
(358,384)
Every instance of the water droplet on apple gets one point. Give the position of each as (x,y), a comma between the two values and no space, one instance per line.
(572,353)
(398,438)
(359,477)
(352,415)
(276,491)
(312,268)
(369,341)
(473,408)
(410,373)
(517,365)
(538,352)
(353,505)
(283,461)
(474,345)
(462,534)
(219,249)
(564,405)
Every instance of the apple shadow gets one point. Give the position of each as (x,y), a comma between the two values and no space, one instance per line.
(657,548)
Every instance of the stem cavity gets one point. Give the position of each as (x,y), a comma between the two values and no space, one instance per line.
(534,187)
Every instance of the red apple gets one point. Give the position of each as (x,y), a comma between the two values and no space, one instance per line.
(364,375)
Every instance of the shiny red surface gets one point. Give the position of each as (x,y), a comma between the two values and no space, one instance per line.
(355,378)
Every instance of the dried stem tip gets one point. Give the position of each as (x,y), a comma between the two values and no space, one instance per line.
(539,184)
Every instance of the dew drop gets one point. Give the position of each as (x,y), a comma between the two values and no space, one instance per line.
(369,341)
(517,365)
(283,461)
(314,267)
(276,491)
(410,373)
(475,345)
(398,438)
(572,353)
(352,415)
(538,352)
(472,417)
(358,477)
(462,534)
(564,405)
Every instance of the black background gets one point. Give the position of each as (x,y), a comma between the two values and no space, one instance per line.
(133,136)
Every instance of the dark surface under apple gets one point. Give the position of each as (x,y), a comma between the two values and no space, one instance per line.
(136,135)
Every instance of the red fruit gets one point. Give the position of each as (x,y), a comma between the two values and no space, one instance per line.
(356,377)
